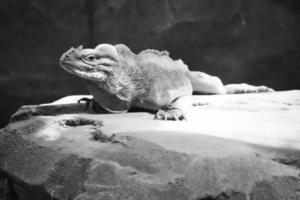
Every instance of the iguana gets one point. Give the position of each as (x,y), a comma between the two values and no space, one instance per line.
(119,79)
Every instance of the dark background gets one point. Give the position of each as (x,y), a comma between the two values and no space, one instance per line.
(253,41)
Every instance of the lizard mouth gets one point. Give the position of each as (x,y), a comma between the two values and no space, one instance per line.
(84,71)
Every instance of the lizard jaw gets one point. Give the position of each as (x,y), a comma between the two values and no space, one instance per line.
(94,76)
(85,72)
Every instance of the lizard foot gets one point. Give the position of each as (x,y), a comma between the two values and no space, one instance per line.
(174,114)
(90,103)
(87,102)
(246,88)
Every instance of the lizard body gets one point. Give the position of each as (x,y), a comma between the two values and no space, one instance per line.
(119,79)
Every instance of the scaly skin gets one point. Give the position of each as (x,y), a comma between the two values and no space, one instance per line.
(119,79)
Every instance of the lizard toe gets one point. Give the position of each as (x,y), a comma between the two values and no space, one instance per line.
(174,114)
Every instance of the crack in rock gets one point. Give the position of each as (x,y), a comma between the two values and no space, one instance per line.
(81,122)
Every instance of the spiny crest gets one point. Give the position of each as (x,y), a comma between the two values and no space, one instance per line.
(154,51)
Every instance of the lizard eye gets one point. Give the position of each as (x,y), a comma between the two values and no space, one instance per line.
(90,58)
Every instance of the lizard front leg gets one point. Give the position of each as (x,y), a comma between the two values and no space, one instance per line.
(90,102)
(176,110)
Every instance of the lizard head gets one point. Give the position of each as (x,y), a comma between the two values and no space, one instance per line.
(92,64)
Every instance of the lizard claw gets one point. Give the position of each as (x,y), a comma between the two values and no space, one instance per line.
(174,114)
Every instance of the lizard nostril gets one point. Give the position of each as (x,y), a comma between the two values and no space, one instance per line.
(65,57)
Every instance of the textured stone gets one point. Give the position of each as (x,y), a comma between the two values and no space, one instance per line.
(134,156)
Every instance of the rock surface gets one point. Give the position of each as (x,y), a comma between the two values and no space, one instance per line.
(232,147)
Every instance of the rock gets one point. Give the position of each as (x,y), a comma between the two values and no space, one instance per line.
(242,147)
